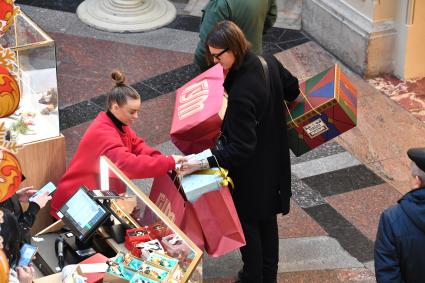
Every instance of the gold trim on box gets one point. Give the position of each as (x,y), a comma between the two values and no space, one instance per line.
(336,84)
(311,113)
(335,100)
(198,253)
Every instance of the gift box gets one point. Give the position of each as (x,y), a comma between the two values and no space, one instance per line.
(175,246)
(126,268)
(118,272)
(136,236)
(204,181)
(144,250)
(158,230)
(155,272)
(327,108)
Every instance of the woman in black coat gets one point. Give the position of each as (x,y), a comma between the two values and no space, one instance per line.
(254,146)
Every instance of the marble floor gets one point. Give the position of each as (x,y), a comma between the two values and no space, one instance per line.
(339,189)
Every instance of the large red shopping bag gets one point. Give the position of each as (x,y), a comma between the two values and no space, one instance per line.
(191,227)
(220,223)
(165,194)
(168,199)
(198,111)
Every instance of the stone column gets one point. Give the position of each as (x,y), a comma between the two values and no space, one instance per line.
(126,15)
(353,32)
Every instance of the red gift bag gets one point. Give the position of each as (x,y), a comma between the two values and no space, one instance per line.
(198,111)
(192,228)
(220,223)
(167,197)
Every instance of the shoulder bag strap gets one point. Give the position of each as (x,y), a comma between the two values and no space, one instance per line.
(267,79)
(266,72)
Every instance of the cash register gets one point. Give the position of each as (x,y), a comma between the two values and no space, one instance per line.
(82,216)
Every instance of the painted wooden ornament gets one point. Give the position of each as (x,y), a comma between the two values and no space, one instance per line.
(4,267)
(10,175)
(9,93)
(7,12)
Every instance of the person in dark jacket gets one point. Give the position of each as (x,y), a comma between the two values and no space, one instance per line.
(25,218)
(10,243)
(254,146)
(254,17)
(400,241)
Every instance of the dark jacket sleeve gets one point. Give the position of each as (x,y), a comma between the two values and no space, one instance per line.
(291,88)
(27,218)
(387,265)
(271,15)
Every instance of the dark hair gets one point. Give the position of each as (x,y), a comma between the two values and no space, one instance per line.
(12,236)
(226,34)
(120,92)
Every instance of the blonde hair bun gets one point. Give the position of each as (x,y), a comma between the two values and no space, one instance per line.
(118,77)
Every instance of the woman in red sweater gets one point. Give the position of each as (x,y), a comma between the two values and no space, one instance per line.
(110,135)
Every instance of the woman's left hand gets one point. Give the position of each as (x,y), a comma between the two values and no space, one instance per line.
(25,274)
(42,199)
(24,193)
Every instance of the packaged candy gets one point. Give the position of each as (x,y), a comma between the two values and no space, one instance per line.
(147,248)
(155,272)
(163,260)
(175,247)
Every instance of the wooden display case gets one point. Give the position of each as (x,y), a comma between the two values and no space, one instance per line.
(35,123)
(139,210)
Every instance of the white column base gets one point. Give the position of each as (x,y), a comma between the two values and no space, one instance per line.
(126,15)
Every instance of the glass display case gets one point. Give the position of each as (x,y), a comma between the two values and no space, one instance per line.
(34,66)
(160,240)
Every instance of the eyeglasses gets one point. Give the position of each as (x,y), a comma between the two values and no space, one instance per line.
(217,56)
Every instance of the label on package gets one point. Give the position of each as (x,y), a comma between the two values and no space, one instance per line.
(315,128)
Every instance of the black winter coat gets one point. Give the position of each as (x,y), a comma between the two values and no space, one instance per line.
(256,150)
(400,242)
(26,219)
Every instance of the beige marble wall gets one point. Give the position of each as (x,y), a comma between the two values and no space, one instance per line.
(384,130)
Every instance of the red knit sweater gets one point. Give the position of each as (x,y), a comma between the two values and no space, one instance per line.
(125,149)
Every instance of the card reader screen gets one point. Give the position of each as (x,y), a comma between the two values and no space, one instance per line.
(82,214)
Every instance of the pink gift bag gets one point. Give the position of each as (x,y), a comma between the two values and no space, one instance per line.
(198,111)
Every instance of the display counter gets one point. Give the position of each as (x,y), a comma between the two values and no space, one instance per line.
(153,247)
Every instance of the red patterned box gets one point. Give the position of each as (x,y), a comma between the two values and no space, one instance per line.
(327,108)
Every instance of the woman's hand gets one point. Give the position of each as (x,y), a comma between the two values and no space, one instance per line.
(24,193)
(178,158)
(189,167)
(25,274)
(42,199)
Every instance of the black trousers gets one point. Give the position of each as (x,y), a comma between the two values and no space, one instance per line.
(260,255)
